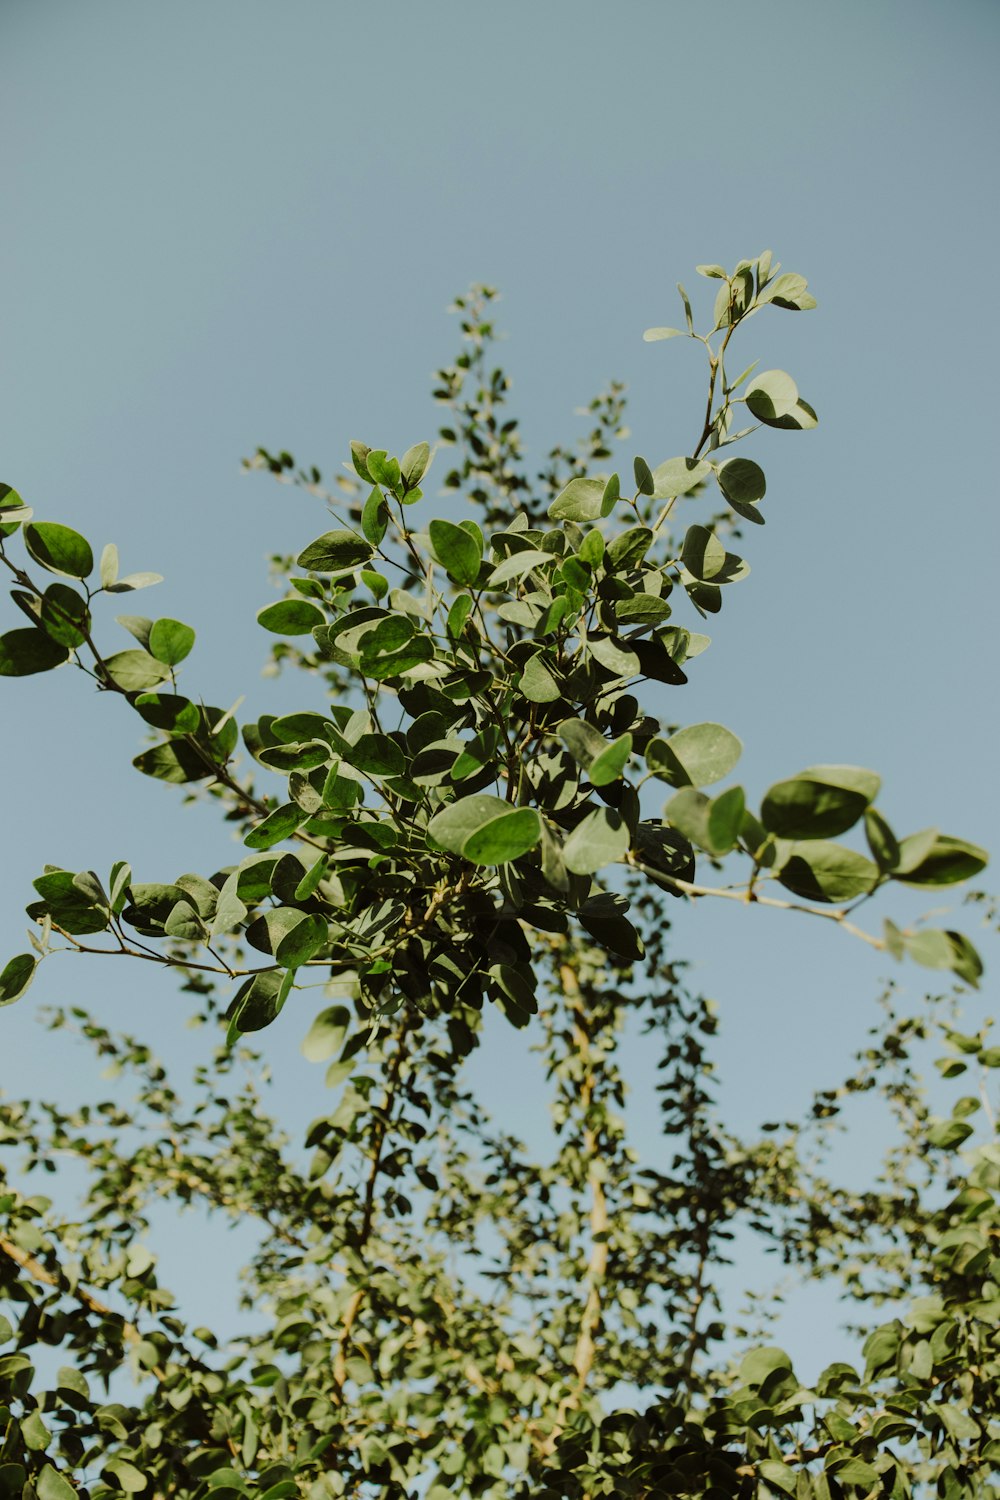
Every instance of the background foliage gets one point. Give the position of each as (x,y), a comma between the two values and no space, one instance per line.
(472,790)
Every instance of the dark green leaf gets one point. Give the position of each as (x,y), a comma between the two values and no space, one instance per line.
(16,976)
(335,552)
(601,839)
(276,827)
(291,617)
(64,615)
(643,476)
(24,652)
(257,1002)
(59,549)
(820,802)
(945,862)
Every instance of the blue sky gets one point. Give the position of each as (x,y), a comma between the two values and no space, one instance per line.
(242,223)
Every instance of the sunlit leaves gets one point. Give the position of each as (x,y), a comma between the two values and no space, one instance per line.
(456,550)
(773,398)
(485,830)
(695,756)
(819,870)
(170,641)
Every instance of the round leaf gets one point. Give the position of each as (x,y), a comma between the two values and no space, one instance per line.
(24,652)
(456,550)
(335,551)
(170,641)
(16,977)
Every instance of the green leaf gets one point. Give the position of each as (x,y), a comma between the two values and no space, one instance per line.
(773,398)
(643,476)
(291,617)
(820,871)
(383,469)
(485,829)
(303,942)
(175,761)
(820,802)
(133,581)
(335,552)
(789,291)
(50,1485)
(458,553)
(257,1002)
(25,652)
(59,549)
(651,335)
(945,862)
(518,565)
(168,711)
(64,615)
(601,839)
(16,977)
(376,755)
(127,1475)
(936,949)
(109,565)
(277,826)
(695,756)
(537,682)
(948,1133)
(725,820)
(881,840)
(134,670)
(580,500)
(414,464)
(743,484)
(375,517)
(679,475)
(327,1033)
(170,641)
(760,1364)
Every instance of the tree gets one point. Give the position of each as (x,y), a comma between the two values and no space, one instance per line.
(466,816)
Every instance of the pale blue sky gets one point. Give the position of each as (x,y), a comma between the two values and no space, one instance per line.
(242,223)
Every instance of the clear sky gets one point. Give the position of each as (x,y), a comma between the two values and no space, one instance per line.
(242,223)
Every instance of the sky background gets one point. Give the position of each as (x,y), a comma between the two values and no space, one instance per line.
(243,223)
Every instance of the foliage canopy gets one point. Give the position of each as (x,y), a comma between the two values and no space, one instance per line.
(467,811)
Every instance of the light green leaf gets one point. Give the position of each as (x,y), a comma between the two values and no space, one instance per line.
(414,464)
(383,469)
(773,398)
(581,500)
(485,829)
(50,1485)
(59,549)
(133,581)
(64,615)
(651,335)
(537,683)
(789,291)
(676,476)
(820,871)
(601,839)
(109,565)
(695,756)
(170,641)
(456,550)
(327,1033)
(518,565)
(134,670)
